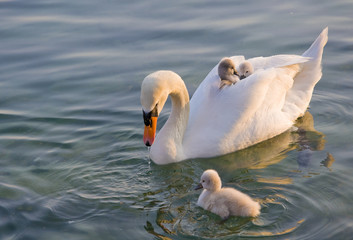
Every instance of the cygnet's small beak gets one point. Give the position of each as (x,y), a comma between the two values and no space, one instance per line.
(199,186)
(242,77)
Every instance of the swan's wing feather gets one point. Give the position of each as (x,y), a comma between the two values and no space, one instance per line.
(202,93)
(226,115)
(277,61)
(260,102)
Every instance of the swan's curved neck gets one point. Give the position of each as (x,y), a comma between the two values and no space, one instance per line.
(168,146)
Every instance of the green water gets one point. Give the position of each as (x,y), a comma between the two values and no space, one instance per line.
(72,161)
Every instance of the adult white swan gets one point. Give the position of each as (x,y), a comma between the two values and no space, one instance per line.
(216,122)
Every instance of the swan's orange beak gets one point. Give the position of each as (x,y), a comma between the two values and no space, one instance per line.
(150,120)
(150,132)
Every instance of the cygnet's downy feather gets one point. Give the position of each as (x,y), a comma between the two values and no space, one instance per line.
(224,202)
(227,72)
(230,74)
(245,69)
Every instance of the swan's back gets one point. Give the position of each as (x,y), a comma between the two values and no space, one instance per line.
(257,108)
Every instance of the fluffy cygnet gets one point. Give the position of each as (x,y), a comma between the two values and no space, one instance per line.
(224,202)
(245,69)
(227,72)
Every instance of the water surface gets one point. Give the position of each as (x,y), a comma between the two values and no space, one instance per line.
(72,161)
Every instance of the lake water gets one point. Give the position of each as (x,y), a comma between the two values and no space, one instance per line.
(72,161)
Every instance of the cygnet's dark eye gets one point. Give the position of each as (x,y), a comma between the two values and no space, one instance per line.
(203,180)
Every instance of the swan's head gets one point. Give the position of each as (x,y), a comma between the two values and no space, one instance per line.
(227,72)
(245,69)
(155,89)
(210,181)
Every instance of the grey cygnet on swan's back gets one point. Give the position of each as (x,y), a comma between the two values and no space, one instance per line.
(229,74)
(245,69)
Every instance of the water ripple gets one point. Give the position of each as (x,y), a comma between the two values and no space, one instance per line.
(72,161)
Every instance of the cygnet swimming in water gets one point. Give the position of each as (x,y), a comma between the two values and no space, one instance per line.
(229,74)
(224,202)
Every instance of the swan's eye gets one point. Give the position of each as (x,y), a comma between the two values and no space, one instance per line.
(203,180)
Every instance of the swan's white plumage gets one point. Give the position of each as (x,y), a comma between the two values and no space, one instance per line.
(259,107)
(224,202)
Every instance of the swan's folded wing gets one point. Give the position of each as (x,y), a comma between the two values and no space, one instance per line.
(200,98)
(255,111)
(277,61)
(225,119)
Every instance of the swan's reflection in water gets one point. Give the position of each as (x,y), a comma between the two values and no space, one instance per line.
(258,170)
(308,141)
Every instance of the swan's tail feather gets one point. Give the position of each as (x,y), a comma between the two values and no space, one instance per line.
(316,49)
(299,96)
(311,72)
